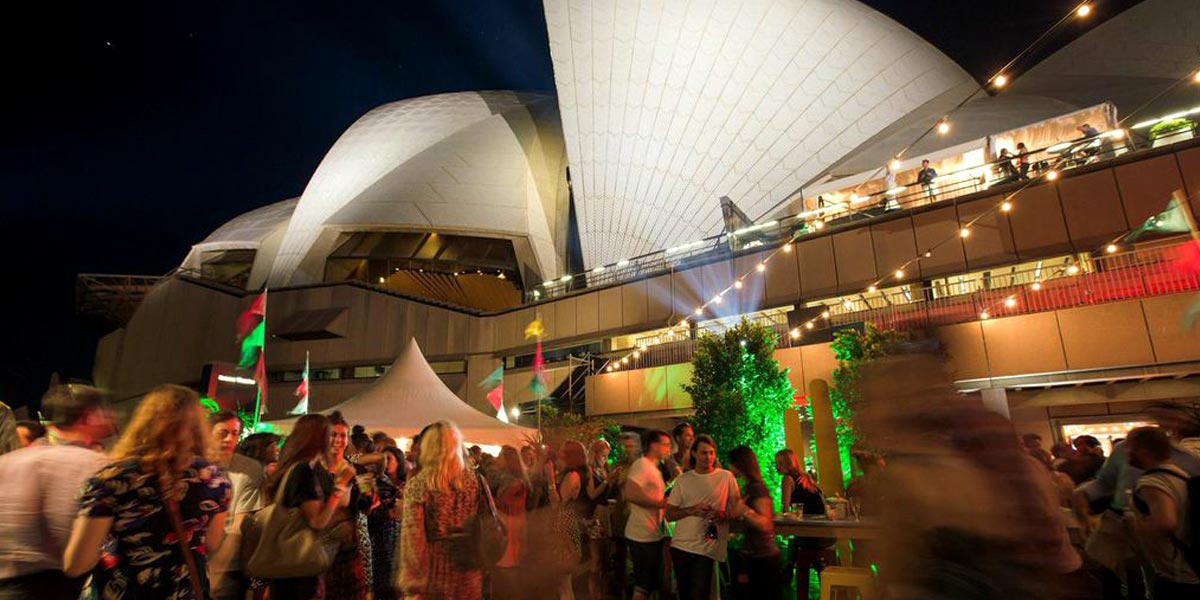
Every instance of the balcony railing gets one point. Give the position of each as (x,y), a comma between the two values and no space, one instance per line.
(1045,287)
(1059,157)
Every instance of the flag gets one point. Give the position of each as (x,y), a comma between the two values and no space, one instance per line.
(252,345)
(302,391)
(534,329)
(494,384)
(501,415)
(1171,220)
(253,315)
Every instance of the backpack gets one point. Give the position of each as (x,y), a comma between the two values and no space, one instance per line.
(1191,552)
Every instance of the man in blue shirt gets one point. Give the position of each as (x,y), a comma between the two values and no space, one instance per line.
(925,177)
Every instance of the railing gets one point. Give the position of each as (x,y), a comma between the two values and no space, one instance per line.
(1045,287)
(1059,157)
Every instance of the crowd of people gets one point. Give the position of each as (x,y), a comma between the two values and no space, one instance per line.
(175,509)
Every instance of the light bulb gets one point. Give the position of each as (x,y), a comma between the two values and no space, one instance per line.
(847,304)
(825,314)
(896,164)
(929,254)
(899,273)
(1111,248)
(808,325)
(1052,175)
(637,354)
(1006,206)
(984,315)
(819,225)
(787,247)
(565,278)
(964,232)
(1196,77)
(716,299)
(943,127)
(762,266)
(380,280)
(699,310)
(1010,302)
(1084,10)
(515,412)
(871,288)
(795,333)
(1000,81)
(1037,285)
(1073,270)
(737,285)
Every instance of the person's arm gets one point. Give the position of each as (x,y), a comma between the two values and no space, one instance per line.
(83,551)
(635,494)
(1103,485)
(414,547)
(678,505)
(595,491)
(1162,519)
(214,534)
(786,488)
(571,487)
(759,515)
(318,513)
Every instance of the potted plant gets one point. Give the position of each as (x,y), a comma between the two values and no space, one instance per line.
(1171,131)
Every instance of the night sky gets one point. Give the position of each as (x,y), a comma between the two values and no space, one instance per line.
(134,129)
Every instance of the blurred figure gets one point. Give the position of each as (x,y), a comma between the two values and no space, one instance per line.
(682,460)
(8,430)
(29,432)
(701,502)
(761,564)
(1031,441)
(306,484)
(1062,453)
(1089,457)
(247,477)
(383,521)
(601,486)
(512,493)
(645,491)
(263,447)
(1022,160)
(439,502)
(631,448)
(573,510)
(965,516)
(528,456)
(133,512)
(1161,520)
(382,440)
(40,497)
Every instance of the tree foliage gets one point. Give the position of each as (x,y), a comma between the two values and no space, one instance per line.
(740,392)
(853,349)
(558,427)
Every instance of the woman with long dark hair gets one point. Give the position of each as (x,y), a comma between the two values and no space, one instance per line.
(512,493)
(350,576)
(573,508)
(759,574)
(159,480)
(800,489)
(307,485)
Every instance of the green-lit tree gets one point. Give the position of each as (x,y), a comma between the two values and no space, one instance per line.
(740,392)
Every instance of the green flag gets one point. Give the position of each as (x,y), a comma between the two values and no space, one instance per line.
(493,380)
(252,345)
(1172,220)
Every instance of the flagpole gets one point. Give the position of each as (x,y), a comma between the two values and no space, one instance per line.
(539,400)
(263,357)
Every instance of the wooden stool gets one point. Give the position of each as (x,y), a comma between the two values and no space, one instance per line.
(848,577)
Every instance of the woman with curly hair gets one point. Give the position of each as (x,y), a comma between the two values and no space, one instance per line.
(158,483)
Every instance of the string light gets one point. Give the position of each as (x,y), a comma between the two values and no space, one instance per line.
(819,225)
(787,247)
(1000,81)
(1037,285)
(1010,302)
(762,266)
(871,288)
(737,285)
(943,127)
(1084,10)
(895,164)
(964,233)
(699,310)
(1006,206)
(636,354)
(716,299)
(795,333)
(1111,248)
(808,325)
(847,304)
(899,274)
(565,278)
(983,316)
(825,314)
(599,269)
(1073,270)
(1052,175)
(929,254)
(1196,77)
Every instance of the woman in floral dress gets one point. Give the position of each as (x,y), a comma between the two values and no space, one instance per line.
(439,502)
(159,466)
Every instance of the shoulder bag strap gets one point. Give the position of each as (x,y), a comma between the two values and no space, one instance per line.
(188,559)
(485,495)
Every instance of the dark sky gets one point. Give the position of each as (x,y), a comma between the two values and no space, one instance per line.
(136,128)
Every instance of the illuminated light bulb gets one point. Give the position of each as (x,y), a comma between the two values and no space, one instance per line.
(380,280)
(565,278)
(642,347)
(964,232)
(856,199)
(515,412)
(871,288)
(737,285)
(787,247)
(683,322)
(501,276)
(928,253)
(899,273)
(622,263)
(716,299)
(548,283)
(609,368)
(1052,175)
(847,305)
(1111,248)
(599,269)
(1010,302)
(984,315)
(1000,81)
(1037,285)
(895,164)
(699,310)
(637,354)
(825,314)
(1196,77)
(819,225)
(943,127)
(795,333)
(742,343)
(808,325)
(1073,270)
(762,266)
(1084,10)
(1118,134)
(1006,206)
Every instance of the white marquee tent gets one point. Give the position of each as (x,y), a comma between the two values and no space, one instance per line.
(410,396)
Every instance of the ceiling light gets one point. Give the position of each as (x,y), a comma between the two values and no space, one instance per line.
(1084,10)
(1000,81)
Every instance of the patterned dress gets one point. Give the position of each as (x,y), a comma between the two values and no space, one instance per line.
(428,563)
(142,557)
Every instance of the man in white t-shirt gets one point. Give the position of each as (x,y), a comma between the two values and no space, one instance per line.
(1161,521)
(248,477)
(645,492)
(702,502)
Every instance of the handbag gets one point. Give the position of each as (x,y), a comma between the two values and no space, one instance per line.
(278,543)
(198,589)
(481,542)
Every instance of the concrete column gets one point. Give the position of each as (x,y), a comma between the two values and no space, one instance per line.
(996,400)
(793,435)
(829,461)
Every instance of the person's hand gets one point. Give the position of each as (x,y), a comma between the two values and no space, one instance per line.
(615,474)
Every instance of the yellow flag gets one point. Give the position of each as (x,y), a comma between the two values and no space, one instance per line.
(534,329)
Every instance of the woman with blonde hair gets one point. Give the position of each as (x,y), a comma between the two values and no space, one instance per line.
(158,484)
(440,502)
